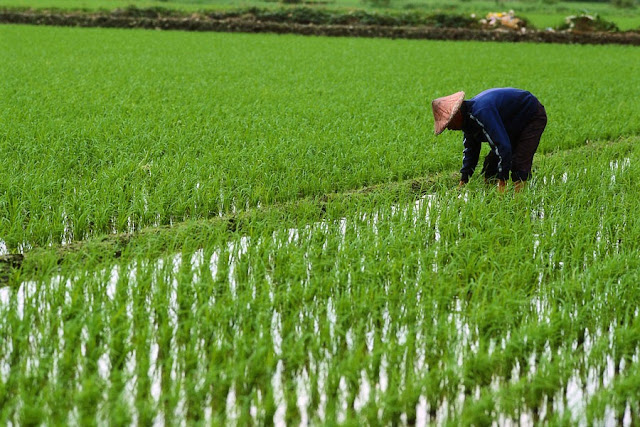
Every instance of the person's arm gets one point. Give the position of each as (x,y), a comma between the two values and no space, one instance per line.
(493,128)
(470,157)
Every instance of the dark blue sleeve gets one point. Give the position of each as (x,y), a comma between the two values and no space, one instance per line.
(470,157)
(496,134)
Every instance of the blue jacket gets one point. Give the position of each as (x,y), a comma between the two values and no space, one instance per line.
(496,116)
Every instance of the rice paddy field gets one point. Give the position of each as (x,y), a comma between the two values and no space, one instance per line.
(259,229)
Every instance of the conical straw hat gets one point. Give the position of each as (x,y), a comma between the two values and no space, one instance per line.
(444,109)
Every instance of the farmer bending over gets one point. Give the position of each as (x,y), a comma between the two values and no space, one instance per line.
(510,120)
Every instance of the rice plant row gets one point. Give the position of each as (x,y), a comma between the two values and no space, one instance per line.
(110,131)
(469,306)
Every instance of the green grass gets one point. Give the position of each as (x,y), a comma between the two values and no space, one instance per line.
(120,130)
(264,287)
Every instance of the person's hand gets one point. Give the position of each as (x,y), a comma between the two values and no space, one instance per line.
(502,185)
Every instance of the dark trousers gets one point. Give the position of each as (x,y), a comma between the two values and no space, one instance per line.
(523,150)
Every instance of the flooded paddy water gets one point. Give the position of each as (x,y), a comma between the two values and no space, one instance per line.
(475,308)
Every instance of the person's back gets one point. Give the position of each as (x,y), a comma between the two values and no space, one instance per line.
(510,120)
(515,107)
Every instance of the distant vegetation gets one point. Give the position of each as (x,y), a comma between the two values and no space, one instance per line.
(541,14)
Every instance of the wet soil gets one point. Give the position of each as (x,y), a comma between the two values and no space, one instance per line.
(7,263)
(248,24)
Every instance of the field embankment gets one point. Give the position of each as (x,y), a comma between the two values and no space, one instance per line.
(433,27)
